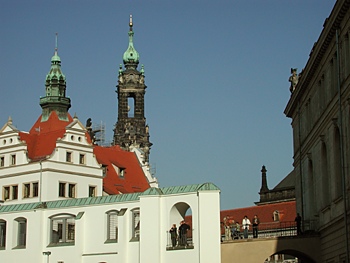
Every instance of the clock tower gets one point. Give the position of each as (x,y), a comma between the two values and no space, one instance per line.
(131,130)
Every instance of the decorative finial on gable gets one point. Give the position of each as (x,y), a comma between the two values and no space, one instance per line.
(9,121)
(75,116)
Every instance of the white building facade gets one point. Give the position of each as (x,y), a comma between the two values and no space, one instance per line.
(116,228)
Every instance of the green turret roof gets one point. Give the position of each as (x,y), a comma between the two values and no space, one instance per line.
(55,93)
(131,56)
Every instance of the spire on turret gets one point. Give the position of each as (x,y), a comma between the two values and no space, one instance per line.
(131,56)
(55,93)
(264,187)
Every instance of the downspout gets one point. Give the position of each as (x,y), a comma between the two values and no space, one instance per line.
(198,227)
(342,151)
(41,178)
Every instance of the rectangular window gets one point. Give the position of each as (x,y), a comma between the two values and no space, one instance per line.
(6,193)
(26,190)
(121,172)
(69,157)
(13,159)
(71,190)
(14,192)
(62,189)
(82,159)
(35,189)
(2,234)
(2,161)
(92,191)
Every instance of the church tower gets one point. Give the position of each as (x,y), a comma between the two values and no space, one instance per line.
(131,130)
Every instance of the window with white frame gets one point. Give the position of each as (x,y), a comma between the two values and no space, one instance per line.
(135,216)
(112,226)
(2,234)
(21,231)
(62,229)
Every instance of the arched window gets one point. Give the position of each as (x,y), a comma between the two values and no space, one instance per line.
(2,234)
(181,218)
(21,232)
(325,177)
(62,229)
(135,224)
(112,226)
(311,189)
(337,180)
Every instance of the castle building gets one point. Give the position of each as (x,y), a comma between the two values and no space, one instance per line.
(320,112)
(131,130)
(66,199)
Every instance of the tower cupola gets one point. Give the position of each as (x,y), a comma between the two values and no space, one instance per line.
(131,56)
(55,92)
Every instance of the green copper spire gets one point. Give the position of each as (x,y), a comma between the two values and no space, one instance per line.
(55,99)
(131,56)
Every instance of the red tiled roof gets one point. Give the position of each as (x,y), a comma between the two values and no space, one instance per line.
(287,212)
(42,137)
(134,179)
(41,141)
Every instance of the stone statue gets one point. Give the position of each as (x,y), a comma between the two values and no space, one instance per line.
(88,123)
(293,79)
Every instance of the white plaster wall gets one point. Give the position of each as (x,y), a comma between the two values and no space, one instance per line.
(91,228)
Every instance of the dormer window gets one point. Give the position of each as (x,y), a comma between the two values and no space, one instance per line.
(276,215)
(121,172)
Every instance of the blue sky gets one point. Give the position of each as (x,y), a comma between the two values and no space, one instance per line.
(217,75)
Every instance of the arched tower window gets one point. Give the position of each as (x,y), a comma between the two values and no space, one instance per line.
(181,217)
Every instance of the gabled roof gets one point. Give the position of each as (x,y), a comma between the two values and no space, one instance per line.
(133,179)
(41,142)
(286,210)
(286,183)
(42,137)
